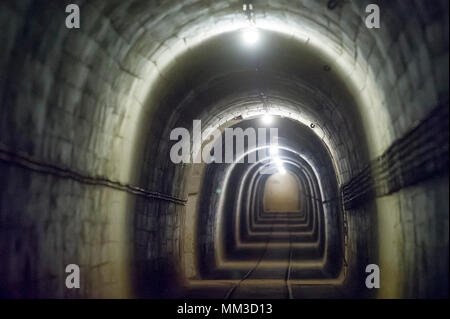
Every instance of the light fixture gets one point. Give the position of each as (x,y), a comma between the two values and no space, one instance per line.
(279,164)
(273,150)
(277,161)
(267,119)
(250,35)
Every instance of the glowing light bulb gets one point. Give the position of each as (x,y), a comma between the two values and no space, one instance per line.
(250,36)
(267,119)
(279,164)
(278,161)
(273,150)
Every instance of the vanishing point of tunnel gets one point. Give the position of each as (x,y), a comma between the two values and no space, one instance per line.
(232,149)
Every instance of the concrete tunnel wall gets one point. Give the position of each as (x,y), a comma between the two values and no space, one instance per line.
(87,102)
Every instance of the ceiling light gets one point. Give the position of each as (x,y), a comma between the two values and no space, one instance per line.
(279,164)
(278,161)
(250,36)
(267,119)
(273,150)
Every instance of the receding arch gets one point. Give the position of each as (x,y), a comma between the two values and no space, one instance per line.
(281,194)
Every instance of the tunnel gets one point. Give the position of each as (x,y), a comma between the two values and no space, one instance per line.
(115,149)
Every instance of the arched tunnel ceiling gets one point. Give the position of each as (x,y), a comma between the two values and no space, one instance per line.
(296,142)
(135,56)
(295,21)
(291,78)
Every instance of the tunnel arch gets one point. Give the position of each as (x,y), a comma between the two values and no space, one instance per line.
(275,199)
(186,108)
(212,254)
